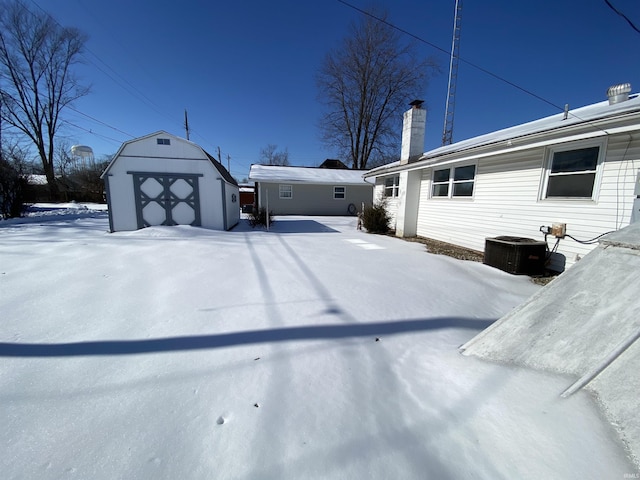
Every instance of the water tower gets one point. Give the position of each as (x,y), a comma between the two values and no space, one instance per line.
(82,156)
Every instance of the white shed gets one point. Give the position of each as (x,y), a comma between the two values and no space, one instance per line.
(161,179)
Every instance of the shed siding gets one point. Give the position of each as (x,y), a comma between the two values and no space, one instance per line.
(178,157)
(506,202)
(312,199)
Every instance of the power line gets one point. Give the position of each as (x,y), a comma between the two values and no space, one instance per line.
(100,121)
(477,67)
(118,142)
(622,15)
(131,89)
(484,70)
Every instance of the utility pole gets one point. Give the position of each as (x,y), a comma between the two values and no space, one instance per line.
(186,123)
(229,162)
(447,131)
(219,156)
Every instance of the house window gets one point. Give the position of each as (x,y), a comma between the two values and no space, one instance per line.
(339,193)
(391,186)
(164,141)
(440,186)
(286,191)
(453,182)
(572,173)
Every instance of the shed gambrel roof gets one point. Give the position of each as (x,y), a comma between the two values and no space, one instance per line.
(224,173)
(310,175)
(593,118)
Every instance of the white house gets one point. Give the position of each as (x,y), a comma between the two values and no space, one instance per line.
(578,168)
(161,179)
(310,190)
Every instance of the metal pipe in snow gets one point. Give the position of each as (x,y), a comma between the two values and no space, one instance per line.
(593,373)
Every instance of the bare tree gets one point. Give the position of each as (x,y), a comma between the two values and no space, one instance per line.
(36,81)
(366,83)
(270,155)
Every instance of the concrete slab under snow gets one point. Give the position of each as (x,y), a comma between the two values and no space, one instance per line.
(586,323)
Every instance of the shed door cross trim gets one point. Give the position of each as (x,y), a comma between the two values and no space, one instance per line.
(166,198)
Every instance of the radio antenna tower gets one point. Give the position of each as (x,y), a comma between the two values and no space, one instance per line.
(447,132)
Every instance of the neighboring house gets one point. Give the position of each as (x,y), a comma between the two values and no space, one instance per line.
(161,179)
(310,190)
(247,194)
(577,168)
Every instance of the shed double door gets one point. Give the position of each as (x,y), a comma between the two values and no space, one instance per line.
(166,198)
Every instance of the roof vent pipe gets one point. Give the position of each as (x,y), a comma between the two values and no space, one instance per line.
(619,93)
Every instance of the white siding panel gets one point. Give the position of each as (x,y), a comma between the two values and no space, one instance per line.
(506,202)
(392,203)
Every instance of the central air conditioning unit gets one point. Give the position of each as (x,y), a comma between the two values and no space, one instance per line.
(520,256)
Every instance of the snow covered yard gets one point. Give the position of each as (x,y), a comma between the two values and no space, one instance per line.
(310,351)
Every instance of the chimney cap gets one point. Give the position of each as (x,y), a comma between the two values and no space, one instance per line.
(417,103)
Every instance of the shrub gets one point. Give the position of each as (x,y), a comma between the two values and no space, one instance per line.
(12,186)
(375,218)
(258,217)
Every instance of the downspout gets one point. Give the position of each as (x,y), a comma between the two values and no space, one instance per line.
(224,203)
(109,209)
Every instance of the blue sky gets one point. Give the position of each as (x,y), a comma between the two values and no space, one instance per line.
(245,70)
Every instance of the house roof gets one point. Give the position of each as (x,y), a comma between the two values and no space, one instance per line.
(584,116)
(217,165)
(278,174)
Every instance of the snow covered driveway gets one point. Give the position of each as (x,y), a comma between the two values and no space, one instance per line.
(310,351)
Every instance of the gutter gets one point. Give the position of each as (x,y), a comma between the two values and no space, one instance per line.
(441,160)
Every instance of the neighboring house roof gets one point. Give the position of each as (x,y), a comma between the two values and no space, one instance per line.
(331,163)
(588,116)
(217,165)
(312,175)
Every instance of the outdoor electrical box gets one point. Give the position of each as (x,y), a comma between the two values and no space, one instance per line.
(559,230)
(516,255)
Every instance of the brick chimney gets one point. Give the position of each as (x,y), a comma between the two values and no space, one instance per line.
(413,131)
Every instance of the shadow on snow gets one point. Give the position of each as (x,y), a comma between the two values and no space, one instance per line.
(201,342)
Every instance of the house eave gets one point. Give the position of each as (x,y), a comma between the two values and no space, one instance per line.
(578,131)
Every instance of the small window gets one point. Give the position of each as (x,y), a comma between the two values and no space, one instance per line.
(164,141)
(286,191)
(339,193)
(391,186)
(456,182)
(440,186)
(463,178)
(572,173)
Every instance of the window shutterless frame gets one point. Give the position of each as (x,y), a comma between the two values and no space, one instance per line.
(391,185)
(339,193)
(572,171)
(453,182)
(285,191)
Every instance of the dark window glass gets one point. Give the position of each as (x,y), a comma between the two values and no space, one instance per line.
(441,190)
(579,185)
(441,175)
(463,189)
(575,160)
(464,173)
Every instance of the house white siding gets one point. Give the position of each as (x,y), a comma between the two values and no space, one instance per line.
(507,201)
(391,202)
